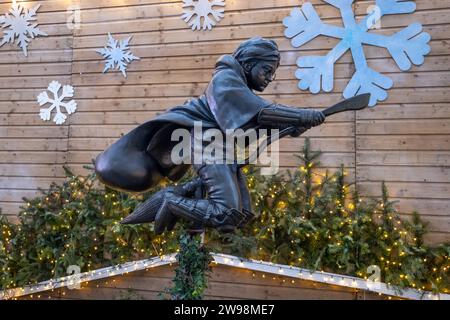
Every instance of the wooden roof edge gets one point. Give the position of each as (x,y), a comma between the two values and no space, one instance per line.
(75,280)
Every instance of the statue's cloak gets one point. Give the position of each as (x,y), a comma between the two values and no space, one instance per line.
(141,158)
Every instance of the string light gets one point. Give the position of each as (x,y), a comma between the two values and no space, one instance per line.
(218,258)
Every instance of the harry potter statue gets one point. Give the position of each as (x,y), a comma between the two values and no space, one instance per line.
(141,158)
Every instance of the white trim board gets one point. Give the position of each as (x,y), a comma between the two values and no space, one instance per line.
(227,260)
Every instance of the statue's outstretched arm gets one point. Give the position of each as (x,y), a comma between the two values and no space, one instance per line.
(278,115)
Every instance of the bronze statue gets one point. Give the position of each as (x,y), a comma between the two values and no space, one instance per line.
(218,197)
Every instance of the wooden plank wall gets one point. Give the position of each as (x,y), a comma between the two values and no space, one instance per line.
(404,140)
(224,283)
(32,152)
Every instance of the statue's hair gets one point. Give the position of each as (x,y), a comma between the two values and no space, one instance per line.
(256,49)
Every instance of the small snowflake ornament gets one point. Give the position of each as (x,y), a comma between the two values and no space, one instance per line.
(407,47)
(117,53)
(201,9)
(19,25)
(57,102)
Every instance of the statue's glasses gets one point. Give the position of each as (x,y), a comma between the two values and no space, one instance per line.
(269,75)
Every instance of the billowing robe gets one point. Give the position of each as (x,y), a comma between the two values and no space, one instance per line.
(141,158)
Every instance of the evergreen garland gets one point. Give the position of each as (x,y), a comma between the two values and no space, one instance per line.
(76,223)
(305,219)
(191,273)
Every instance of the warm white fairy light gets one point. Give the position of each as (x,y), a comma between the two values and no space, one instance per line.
(78,279)
(321,276)
(254,265)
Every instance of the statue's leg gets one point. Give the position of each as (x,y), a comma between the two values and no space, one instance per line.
(245,194)
(247,209)
(206,212)
(221,209)
(147,210)
(221,184)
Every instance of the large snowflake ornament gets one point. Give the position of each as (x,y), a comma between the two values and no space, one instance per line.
(201,9)
(20,25)
(117,55)
(57,102)
(408,46)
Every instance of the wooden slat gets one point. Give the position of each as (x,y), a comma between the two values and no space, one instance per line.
(439,224)
(43,43)
(33,157)
(404,142)
(408,158)
(39,144)
(29,69)
(149,19)
(404,173)
(343,68)
(288,54)
(10,208)
(31,170)
(47,131)
(407,190)
(38,56)
(437,238)
(17,195)
(27,183)
(406,111)
(398,127)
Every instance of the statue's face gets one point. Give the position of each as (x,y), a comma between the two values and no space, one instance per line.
(262,74)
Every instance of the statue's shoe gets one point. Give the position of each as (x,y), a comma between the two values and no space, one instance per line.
(146,211)
(154,209)
(164,218)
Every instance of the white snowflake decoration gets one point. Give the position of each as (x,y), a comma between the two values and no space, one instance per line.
(117,54)
(408,46)
(19,25)
(202,9)
(57,102)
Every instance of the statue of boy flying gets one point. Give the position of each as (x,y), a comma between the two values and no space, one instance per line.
(141,158)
